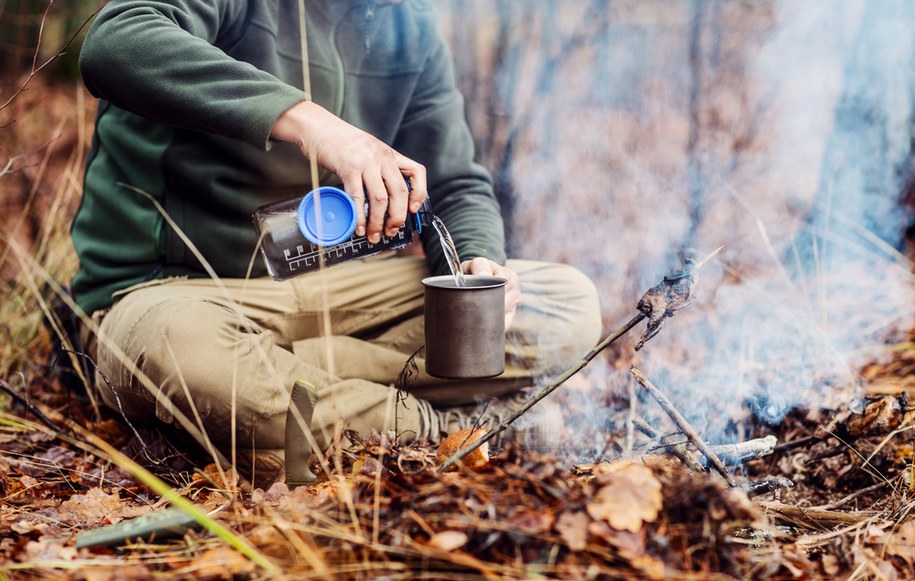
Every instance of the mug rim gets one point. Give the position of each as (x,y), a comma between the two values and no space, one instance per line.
(474,282)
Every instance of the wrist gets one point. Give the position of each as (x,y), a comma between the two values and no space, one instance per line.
(294,124)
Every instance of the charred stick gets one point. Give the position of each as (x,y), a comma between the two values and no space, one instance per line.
(543,392)
(677,449)
(734,454)
(765,486)
(730,454)
(688,430)
(806,440)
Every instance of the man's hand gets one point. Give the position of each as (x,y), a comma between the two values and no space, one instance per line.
(487,267)
(368,167)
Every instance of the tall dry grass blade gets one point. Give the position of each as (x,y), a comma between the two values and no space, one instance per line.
(311,556)
(326,323)
(33,192)
(32,269)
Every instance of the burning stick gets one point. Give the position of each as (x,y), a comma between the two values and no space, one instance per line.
(674,293)
(684,425)
(766,486)
(734,454)
(730,454)
(682,279)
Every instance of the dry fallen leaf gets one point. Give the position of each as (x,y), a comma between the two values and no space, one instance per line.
(225,478)
(23,527)
(630,496)
(573,528)
(460,440)
(96,507)
(448,540)
(631,547)
(901,543)
(220,563)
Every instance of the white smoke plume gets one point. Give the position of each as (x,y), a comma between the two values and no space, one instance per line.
(782,129)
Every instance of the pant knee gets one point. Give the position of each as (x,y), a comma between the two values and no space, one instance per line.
(196,358)
(560,318)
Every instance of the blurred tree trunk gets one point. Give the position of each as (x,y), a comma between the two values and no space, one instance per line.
(504,107)
(20,21)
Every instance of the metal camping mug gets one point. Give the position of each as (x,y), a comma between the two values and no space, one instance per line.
(465,326)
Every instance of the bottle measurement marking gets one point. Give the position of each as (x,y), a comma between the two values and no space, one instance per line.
(299,256)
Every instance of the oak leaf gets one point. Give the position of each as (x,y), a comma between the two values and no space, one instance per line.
(630,497)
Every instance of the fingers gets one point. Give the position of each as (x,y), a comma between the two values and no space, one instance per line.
(388,198)
(512,292)
(416,174)
(478,265)
(397,201)
(377,195)
(486,267)
(353,186)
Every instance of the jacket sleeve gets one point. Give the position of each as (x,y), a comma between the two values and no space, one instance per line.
(435,133)
(163,60)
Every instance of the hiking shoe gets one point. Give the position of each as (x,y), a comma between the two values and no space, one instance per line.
(541,427)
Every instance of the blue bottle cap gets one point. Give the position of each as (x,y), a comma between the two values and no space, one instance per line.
(337,219)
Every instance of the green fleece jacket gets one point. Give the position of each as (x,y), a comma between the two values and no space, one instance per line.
(190,90)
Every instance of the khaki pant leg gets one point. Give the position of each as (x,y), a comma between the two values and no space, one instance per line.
(186,352)
(209,348)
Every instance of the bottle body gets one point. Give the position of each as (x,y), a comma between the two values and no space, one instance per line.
(289,253)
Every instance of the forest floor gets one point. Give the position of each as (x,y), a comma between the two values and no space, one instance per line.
(382,509)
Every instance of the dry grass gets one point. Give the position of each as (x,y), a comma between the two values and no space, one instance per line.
(43,150)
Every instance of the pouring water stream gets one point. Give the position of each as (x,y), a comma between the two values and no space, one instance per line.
(451,254)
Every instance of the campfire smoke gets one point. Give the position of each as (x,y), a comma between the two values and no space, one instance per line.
(781,129)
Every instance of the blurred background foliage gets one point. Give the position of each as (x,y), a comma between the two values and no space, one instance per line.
(20,23)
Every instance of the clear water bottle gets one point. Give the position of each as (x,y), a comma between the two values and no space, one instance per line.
(294,237)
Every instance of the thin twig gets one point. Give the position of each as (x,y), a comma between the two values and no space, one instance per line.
(543,392)
(850,497)
(688,430)
(792,444)
(708,258)
(677,450)
(33,409)
(816,518)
